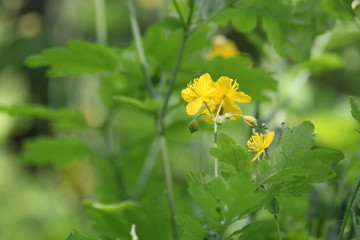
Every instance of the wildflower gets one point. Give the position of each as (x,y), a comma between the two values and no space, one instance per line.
(259,142)
(223,47)
(198,92)
(227,96)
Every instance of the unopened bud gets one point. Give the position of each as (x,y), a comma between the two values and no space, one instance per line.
(250,121)
(194,126)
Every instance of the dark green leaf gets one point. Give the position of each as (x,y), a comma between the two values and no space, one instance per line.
(294,164)
(61,118)
(355,108)
(78,58)
(227,151)
(46,151)
(337,9)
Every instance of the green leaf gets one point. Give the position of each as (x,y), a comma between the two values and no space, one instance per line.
(55,151)
(75,235)
(244,21)
(256,230)
(115,220)
(274,34)
(337,9)
(149,105)
(78,58)
(324,63)
(252,81)
(64,119)
(191,227)
(227,151)
(355,108)
(294,163)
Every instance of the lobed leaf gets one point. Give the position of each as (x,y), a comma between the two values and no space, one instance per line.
(75,235)
(40,151)
(64,119)
(78,58)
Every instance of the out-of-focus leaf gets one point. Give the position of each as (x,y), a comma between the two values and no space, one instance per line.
(252,81)
(115,220)
(191,227)
(337,9)
(227,151)
(274,34)
(75,235)
(323,63)
(61,118)
(78,58)
(355,108)
(149,105)
(53,151)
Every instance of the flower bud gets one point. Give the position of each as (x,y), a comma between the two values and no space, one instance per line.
(228,115)
(250,121)
(194,126)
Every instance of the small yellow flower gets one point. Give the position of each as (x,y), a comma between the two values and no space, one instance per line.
(259,142)
(198,92)
(223,47)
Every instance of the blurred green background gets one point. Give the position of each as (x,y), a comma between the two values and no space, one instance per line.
(44,202)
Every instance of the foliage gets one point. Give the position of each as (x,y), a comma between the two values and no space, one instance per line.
(138,89)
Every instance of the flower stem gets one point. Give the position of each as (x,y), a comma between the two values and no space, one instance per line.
(216,162)
(100,20)
(169,185)
(278,226)
(139,47)
(348,209)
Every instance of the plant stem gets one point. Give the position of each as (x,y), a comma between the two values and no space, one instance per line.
(278,226)
(216,162)
(139,47)
(348,209)
(100,19)
(169,185)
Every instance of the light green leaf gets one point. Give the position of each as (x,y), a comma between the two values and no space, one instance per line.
(64,119)
(324,63)
(45,151)
(78,58)
(274,34)
(256,230)
(355,108)
(75,235)
(115,220)
(227,151)
(252,81)
(244,21)
(149,105)
(337,9)
(192,227)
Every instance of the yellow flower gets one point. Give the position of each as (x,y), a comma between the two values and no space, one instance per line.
(226,92)
(223,47)
(259,142)
(198,92)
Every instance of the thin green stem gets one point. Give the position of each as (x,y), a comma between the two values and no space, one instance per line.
(169,185)
(216,162)
(349,208)
(139,47)
(100,20)
(177,8)
(278,226)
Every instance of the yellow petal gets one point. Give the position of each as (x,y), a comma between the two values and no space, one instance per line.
(193,107)
(269,137)
(188,94)
(241,97)
(257,155)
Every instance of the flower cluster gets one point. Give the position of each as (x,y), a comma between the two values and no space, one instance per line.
(215,100)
